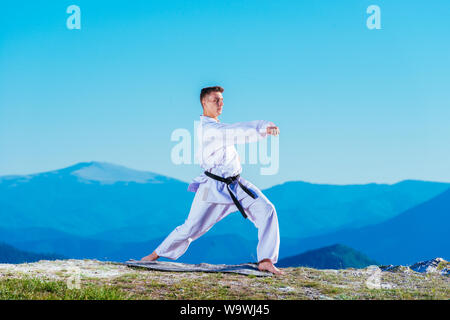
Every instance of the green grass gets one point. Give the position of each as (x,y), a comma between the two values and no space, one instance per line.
(296,284)
(34,288)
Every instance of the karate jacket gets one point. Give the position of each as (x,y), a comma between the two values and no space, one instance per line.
(217,154)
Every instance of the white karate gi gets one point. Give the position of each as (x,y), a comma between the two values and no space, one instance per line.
(212,201)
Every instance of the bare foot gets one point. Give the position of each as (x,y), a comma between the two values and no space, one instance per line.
(150,257)
(267,265)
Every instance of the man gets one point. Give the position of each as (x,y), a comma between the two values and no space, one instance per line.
(220,190)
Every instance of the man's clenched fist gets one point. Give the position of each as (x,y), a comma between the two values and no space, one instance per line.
(273,130)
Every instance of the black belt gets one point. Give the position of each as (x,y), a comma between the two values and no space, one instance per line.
(229,181)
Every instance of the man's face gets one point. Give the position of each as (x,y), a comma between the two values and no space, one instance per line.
(213,104)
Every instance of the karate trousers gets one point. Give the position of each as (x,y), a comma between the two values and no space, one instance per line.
(203,215)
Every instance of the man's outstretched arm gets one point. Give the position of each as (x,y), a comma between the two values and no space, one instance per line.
(241,132)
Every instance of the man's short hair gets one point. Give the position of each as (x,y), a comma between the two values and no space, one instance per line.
(208,90)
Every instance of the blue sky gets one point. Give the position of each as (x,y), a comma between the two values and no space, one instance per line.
(353,105)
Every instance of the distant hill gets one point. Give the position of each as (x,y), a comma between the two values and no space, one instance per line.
(54,241)
(418,234)
(307,209)
(107,202)
(228,248)
(9,254)
(93,197)
(332,257)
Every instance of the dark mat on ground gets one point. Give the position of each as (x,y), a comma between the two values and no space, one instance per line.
(244,268)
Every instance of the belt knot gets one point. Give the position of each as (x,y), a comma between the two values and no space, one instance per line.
(228,181)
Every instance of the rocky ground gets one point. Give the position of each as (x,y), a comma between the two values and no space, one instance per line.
(92,279)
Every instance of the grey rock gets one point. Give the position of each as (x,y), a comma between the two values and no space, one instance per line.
(436,265)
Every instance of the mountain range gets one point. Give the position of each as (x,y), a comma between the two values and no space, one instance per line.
(105,211)
(9,254)
(420,233)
